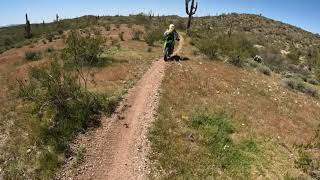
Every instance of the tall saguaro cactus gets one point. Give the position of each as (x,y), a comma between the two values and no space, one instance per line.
(190,11)
(57,17)
(27,28)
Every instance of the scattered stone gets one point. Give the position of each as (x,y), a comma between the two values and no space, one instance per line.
(121,117)
(258,59)
(191,137)
(284,52)
(288,75)
(258,46)
(315,174)
(126,125)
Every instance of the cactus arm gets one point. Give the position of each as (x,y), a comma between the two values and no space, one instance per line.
(195,9)
(187,6)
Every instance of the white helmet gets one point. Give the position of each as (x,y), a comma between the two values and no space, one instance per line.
(171,27)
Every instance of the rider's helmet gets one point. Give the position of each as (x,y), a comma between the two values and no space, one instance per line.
(171,27)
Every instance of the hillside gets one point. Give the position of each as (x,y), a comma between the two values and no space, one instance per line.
(270,31)
(85,98)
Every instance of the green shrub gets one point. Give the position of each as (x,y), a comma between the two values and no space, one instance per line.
(61,107)
(50,37)
(304,161)
(252,63)
(294,56)
(153,36)
(83,50)
(8,42)
(264,69)
(108,27)
(299,85)
(208,47)
(137,35)
(60,31)
(313,81)
(236,47)
(214,134)
(50,49)
(180,24)
(32,56)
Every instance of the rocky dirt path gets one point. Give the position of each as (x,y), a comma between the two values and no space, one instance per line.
(118,149)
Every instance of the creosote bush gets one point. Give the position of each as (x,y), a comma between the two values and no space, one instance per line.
(108,27)
(33,56)
(299,85)
(50,37)
(153,36)
(137,35)
(264,69)
(83,50)
(208,47)
(62,107)
(238,47)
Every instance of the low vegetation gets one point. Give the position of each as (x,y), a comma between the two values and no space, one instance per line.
(264,69)
(186,130)
(153,36)
(213,133)
(237,47)
(83,50)
(33,56)
(55,102)
(137,35)
(300,85)
(60,106)
(57,99)
(308,160)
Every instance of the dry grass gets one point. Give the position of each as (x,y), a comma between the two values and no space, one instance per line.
(125,67)
(260,109)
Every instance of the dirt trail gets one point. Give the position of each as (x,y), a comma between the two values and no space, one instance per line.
(118,149)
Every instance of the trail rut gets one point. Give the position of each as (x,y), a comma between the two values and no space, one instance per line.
(118,149)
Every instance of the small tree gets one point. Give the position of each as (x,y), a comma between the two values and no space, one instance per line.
(190,11)
(83,50)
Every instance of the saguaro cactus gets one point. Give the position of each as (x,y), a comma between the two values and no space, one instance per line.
(190,11)
(230,28)
(57,17)
(27,28)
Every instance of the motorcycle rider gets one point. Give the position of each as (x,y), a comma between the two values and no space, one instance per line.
(170,36)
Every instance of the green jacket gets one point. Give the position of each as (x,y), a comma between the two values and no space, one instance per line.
(170,38)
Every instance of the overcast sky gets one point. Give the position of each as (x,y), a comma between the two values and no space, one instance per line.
(302,13)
